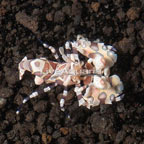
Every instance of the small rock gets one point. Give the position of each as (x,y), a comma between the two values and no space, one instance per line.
(84,0)
(11,116)
(64,130)
(27,140)
(67,10)
(133,13)
(120,136)
(27,21)
(120,108)
(0,75)
(19,142)
(56,134)
(5,142)
(63,140)
(30,116)
(4,3)
(11,134)
(130,140)
(136,60)
(36,12)
(95,6)
(38,2)
(41,119)
(49,17)
(57,28)
(126,44)
(139,25)
(36,139)
(2,11)
(11,76)
(2,138)
(99,124)
(44,138)
(130,29)
(59,16)
(41,106)
(107,30)
(6,92)
(49,139)
(2,102)
(57,126)
(142,34)
(142,73)
(120,14)
(56,5)
(142,63)
(49,129)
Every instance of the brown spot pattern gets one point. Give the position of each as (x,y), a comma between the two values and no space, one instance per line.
(74,50)
(112,97)
(47,77)
(37,64)
(89,66)
(53,64)
(21,65)
(92,55)
(62,67)
(38,74)
(94,46)
(87,80)
(79,96)
(102,97)
(29,63)
(46,67)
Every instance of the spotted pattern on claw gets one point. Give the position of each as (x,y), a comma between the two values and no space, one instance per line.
(86,47)
(103,95)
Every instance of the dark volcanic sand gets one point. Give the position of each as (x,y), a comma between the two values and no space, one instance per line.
(119,23)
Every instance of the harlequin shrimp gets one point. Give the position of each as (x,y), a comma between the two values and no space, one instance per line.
(98,88)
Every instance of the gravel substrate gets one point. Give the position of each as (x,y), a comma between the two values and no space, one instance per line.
(116,22)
